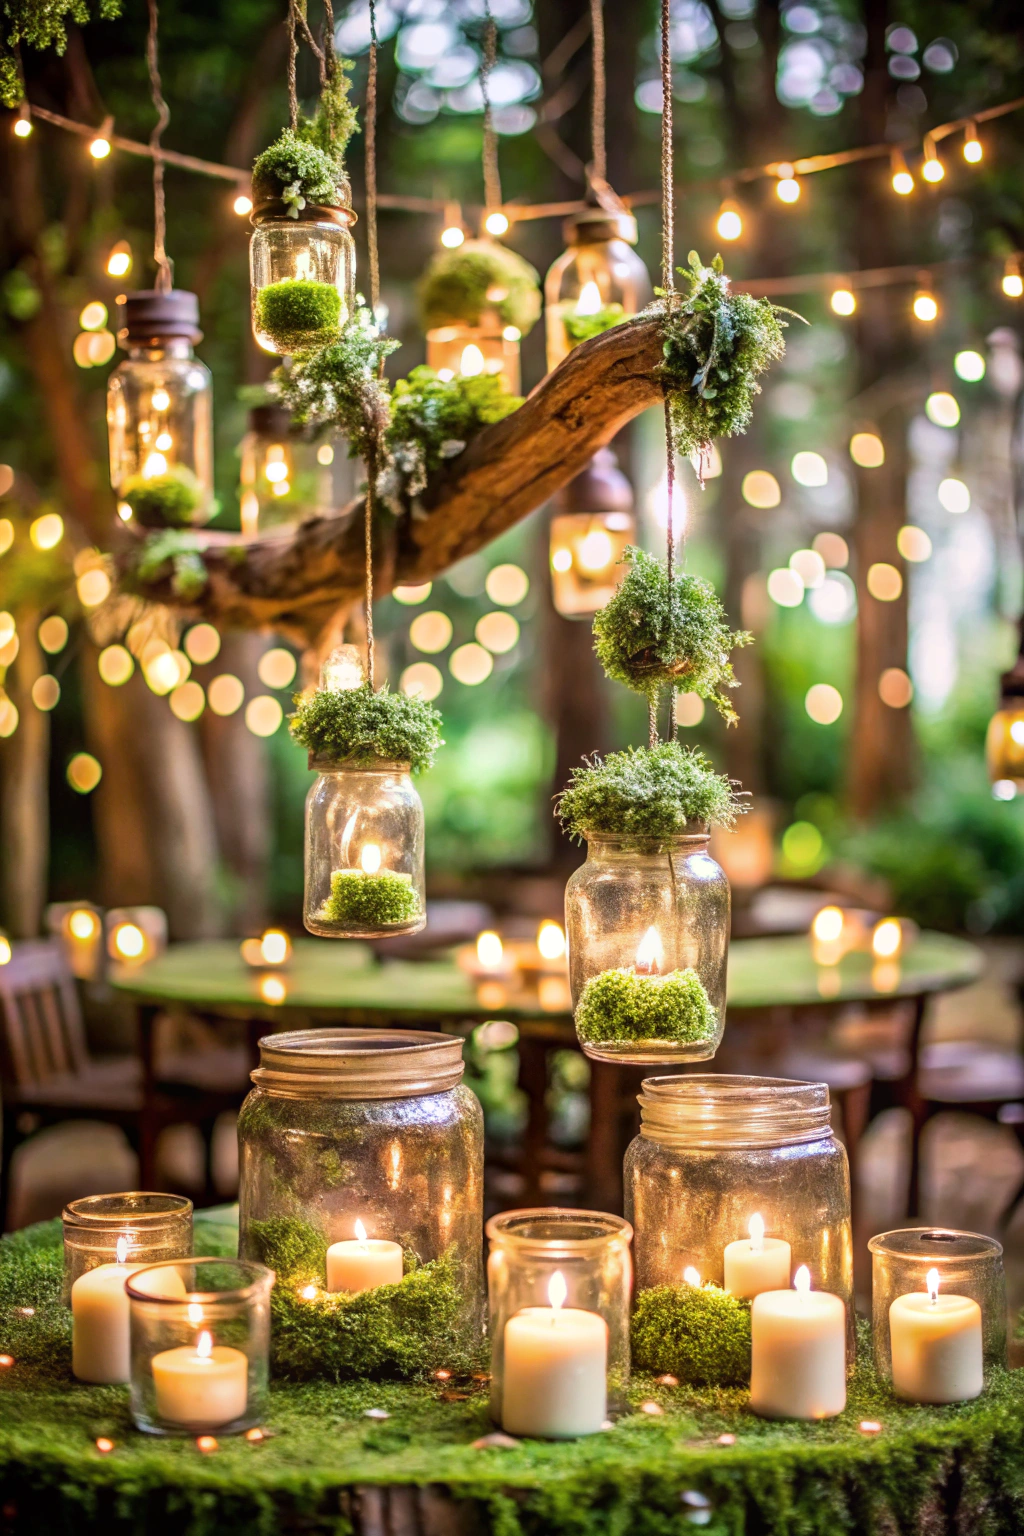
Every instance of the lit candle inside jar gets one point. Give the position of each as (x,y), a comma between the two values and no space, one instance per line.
(369,859)
(757,1263)
(555,1369)
(589,301)
(361,1263)
(798,1352)
(100,1337)
(936,1346)
(205,1386)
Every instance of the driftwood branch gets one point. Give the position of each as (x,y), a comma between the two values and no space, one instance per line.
(297,580)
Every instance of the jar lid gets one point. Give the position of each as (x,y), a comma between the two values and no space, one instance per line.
(592,224)
(153,317)
(359,1063)
(717,1109)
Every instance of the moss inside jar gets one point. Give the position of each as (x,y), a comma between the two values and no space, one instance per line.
(170,500)
(298,313)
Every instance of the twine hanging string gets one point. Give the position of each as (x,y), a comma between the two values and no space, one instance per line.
(668,284)
(599,96)
(370,140)
(492,177)
(164,276)
(293,55)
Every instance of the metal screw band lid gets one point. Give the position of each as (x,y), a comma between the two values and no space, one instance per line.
(358,1063)
(154,317)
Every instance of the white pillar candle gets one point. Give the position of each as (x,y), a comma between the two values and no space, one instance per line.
(100,1337)
(204,1386)
(757,1263)
(361,1263)
(554,1381)
(798,1352)
(936,1346)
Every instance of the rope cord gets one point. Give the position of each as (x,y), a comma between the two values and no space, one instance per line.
(164,275)
(599,95)
(293,54)
(668,284)
(492,177)
(371,240)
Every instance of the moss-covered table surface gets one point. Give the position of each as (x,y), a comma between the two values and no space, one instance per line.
(400,1460)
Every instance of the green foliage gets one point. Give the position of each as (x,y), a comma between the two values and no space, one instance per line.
(170,553)
(651,636)
(432,419)
(164,501)
(298,314)
(456,287)
(39,24)
(362,726)
(401,1330)
(340,386)
(621,1005)
(584,327)
(369,901)
(699,1333)
(305,165)
(647,793)
(716,345)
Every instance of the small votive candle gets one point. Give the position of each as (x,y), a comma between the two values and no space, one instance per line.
(362,1263)
(798,1352)
(100,1342)
(937,1354)
(204,1385)
(757,1263)
(556,1366)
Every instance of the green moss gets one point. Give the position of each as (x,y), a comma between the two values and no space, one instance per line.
(699,1333)
(654,635)
(621,1005)
(298,314)
(647,793)
(340,386)
(460,285)
(394,1331)
(363,726)
(39,24)
(432,420)
(164,501)
(169,553)
(294,161)
(583,327)
(369,901)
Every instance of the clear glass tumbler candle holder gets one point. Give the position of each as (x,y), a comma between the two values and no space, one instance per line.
(134,1228)
(559,1283)
(200,1350)
(969,1265)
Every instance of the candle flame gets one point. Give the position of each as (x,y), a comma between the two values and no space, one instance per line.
(360,1231)
(931,1280)
(828,924)
(303,267)
(122,1249)
(370,859)
(650,954)
(887,938)
(691,1276)
(204,1345)
(589,301)
(551,941)
(195,1314)
(557,1291)
(802,1280)
(489,950)
(472,361)
(756,1230)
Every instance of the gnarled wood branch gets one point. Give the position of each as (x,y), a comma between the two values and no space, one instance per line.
(297,580)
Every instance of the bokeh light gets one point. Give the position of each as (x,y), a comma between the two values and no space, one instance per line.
(277,668)
(45,692)
(202,644)
(969,366)
(115,665)
(884,582)
(832,548)
(263,715)
(507,585)
(499,632)
(823,703)
(895,688)
(913,543)
(187,701)
(761,489)
(942,408)
(689,709)
(47,531)
(431,631)
(867,450)
(84,773)
(809,469)
(225,694)
(412,595)
(954,496)
(53,634)
(471,664)
(421,681)
(809,566)
(785,587)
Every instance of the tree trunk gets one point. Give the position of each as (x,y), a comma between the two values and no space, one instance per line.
(24,793)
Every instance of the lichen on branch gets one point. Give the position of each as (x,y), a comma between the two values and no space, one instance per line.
(432,420)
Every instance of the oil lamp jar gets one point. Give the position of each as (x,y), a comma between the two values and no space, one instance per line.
(592,524)
(160,414)
(596,283)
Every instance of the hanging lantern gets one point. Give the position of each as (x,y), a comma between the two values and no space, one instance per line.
(302,260)
(597,283)
(592,524)
(287,476)
(478,301)
(1004,744)
(160,414)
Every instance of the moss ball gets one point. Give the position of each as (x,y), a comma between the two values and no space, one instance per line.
(164,501)
(298,314)
(622,1005)
(699,1333)
(460,285)
(370,901)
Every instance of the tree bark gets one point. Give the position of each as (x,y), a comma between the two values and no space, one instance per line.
(24,793)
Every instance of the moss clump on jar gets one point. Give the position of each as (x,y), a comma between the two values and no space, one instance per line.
(585,327)
(624,1004)
(294,161)
(298,314)
(372,901)
(480,277)
(361,727)
(699,1333)
(647,793)
(399,1331)
(164,501)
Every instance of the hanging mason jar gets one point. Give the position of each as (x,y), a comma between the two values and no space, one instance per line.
(361,1186)
(647,923)
(302,266)
(160,414)
(287,476)
(478,301)
(364,851)
(592,524)
(597,283)
(1004,743)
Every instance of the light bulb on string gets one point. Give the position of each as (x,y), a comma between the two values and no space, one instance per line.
(1013,282)
(729,224)
(933,169)
(496,223)
(843,301)
(902,181)
(23,122)
(99,147)
(973,151)
(242,205)
(119,259)
(452,236)
(787,187)
(925,306)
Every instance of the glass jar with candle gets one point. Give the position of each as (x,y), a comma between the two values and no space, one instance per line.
(938,1311)
(160,414)
(595,284)
(648,932)
(477,303)
(150,1227)
(592,524)
(736,1182)
(558,1284)
(361,1170)
(364,851)
(200,1346)
(303,273)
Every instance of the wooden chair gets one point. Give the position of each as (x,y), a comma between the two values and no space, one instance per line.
(976,1078)
(47,1074)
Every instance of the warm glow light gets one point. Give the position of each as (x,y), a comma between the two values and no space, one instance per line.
(973,152)
(1013,283)
(761,489)
(809,469)
(155,464)
(498,632)
(823,703)
(275,947)
(99,148)
(551,941)
(589,301)
(263,715)
(785,587)
(561,560)
(557,1291)
(115,665)
(53,634)
(421,681)
(104,1446)
(512,333)
(942,408)
(903,183)
(273,990)
(595,550)
(691,1276)
(931,1280)
(6,534)
(787,188)
(360,1231)
(342,670)
(884,582)
(121,1249)
(129,940)
(82,924)
(471,664)
(22,127)
(913,544)
(202,644)
(756,1230)
(802,1280)
(276,668)
(809,566)
(47,531)
(84,773)
(496,223)
(933,169)
(45,692)
(895,688)
(489,950)
(93,587)
(276,472)
(413,595)
(325,454)
(729,225)
(925,307)
(187,701)
(452,237)
(308,1293)
(431,632)
(507,585)
(472,361)
(93,316)
(886,938)
(969,366)
(954,496)
(242,205)
(120,259)
(650,954)
(867,450)
(689,709)
(369,859)
(828,925)
(8,629)
(843,301)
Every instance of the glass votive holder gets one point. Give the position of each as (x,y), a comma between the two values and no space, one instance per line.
(938,1312)
(133,1229)
(559,1283)
(200,1344)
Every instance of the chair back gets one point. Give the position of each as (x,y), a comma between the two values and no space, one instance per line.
(41,1030)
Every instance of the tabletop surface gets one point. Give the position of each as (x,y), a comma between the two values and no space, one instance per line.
(339,975)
